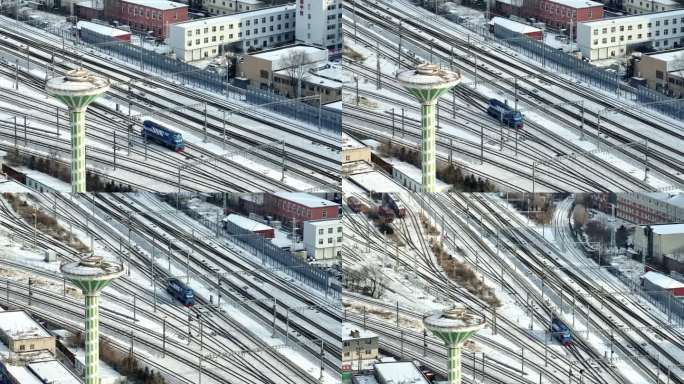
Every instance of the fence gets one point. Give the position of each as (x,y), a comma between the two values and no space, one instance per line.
(186,74)
(563,63)
(275,257)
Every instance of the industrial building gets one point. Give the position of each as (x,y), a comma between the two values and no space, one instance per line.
(104,30)
(650,208)
(227,7)
(658,282)
(619,36)
(253,226)
(38,372)
(319,23)
(20,333)
(409,176)
(639,7)
(663,71)
(498,23)
(359,347)
(300,207)
(392,372)
(146,16)
(663,243)
(284,69)
(246,31)
(323,239)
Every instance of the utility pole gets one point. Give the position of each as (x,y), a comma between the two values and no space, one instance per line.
(377,69)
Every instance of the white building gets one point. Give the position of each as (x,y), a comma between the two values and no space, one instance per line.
(323,239)
(639,7)
(227,7)
(209,37)
(319,23)
(619,36)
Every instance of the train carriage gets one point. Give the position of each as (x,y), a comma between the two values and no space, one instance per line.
(180,292)
(163,135)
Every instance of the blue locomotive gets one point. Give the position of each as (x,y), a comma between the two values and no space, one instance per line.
(561,331)
(501,111)
(181,292)
(163,135)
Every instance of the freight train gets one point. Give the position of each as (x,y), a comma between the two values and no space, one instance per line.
(561,331)
(162,135)
(181,292)
(392,200)
(504,113)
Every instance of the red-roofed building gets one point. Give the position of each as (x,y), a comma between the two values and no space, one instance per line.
(561,13)
(153,16)
(300,207)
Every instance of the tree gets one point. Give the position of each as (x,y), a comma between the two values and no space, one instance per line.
(579,215)
(295,66)
(621,237)
(375,280)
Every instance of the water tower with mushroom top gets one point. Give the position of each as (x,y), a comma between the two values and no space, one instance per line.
(427,83)
(77,89)
(454,326)
(91,274)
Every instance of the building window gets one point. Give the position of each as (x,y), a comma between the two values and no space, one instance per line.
(320,231)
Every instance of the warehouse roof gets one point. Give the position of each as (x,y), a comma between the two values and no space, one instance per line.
(404,372)
(514,26)
(19,325)
(101,29)
(663,281)
(668,229)
(52,371)
(306,199)
(247,223)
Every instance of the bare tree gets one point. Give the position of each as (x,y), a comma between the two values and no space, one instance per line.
(375,280)
(579,215)
(295,65)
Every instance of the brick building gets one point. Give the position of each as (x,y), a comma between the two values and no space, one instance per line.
(153,16)
(563,13)
(300,206)
(650,208)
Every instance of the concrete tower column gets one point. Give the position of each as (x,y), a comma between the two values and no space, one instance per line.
(427,83)
(91,274)
(77,89)
(454,327)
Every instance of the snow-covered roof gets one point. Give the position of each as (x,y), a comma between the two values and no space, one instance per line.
(321,223)
(674,59)
(163,5)
(514,26)
(348,328)
(279,53)
(19,325)
(101,29)
(415,173)
(22,374)
(663,281)
(246,223)
(13,186)
(577,3)
(52,371)
(400,372)
(668,229)
(375,181)
(306,199)
(349,142)
(91,4)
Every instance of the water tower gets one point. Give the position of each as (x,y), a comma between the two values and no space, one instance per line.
(427,83)
(91,274)
(77,89)
(454,327)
